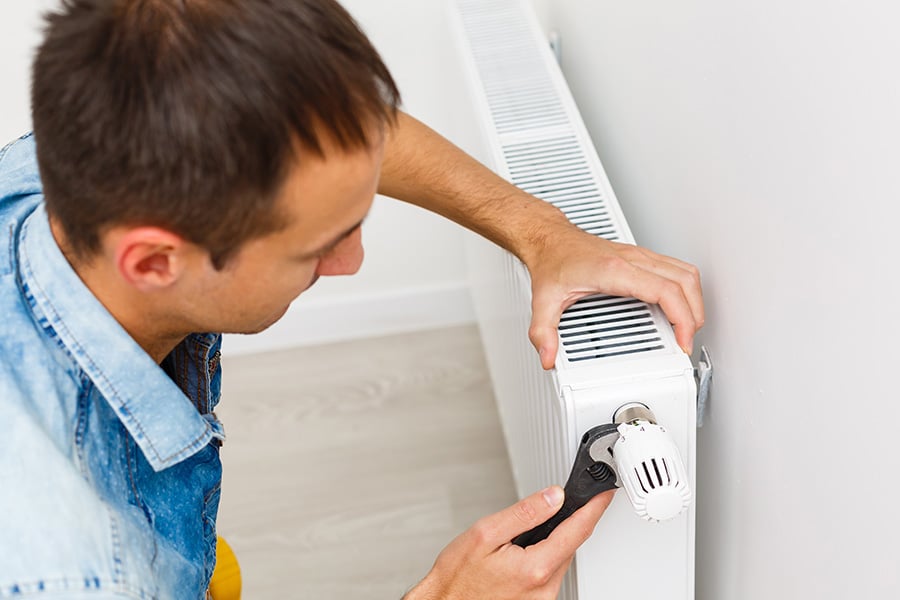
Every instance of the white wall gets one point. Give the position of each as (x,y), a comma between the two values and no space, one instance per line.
(19,34)
(760,141)
(414,273)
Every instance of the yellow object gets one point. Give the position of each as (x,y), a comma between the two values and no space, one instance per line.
(226,578)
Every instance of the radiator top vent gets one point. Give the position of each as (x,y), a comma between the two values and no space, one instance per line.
(541,145)
(605,326)
(557,171)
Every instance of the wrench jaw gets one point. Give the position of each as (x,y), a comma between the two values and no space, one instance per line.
(600,450)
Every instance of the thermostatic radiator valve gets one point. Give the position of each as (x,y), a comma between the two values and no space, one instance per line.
(631,452)
(649,465)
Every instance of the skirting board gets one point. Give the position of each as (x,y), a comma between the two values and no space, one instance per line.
(357,316)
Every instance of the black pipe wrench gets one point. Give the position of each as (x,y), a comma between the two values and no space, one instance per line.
(594,472)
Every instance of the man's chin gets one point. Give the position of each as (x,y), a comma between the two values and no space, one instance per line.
(260,327)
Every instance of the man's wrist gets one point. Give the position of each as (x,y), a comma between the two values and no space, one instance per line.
(542,223)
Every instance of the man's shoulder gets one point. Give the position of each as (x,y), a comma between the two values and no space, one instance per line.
(18,169)
(20,193)
(17,145)
(38,381)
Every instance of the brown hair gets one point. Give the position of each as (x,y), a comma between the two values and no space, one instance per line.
(185,114)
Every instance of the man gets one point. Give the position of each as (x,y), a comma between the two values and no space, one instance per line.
(196,165)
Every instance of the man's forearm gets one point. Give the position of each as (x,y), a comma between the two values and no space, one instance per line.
(423,168)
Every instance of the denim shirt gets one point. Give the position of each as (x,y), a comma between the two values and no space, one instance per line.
(109,462)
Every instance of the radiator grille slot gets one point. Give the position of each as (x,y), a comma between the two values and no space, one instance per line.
(606,326)
(544,149)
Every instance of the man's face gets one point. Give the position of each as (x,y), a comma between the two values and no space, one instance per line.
(324,202)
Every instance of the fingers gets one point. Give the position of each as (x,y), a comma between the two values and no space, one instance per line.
(558,548)
(547,561)
(545,316)
(557,579)
(498,529)
(685,274)
(670,296)
(575,530)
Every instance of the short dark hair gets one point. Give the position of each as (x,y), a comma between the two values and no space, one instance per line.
(186,114)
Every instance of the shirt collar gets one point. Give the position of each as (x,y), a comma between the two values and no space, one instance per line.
(160,418)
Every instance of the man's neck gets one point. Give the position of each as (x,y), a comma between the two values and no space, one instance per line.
(128,310)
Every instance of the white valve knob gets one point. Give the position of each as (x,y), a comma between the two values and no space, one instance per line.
(651,470)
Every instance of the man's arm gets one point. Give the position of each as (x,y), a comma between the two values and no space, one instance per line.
(565,263)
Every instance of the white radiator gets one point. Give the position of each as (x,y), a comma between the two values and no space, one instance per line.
(612,350)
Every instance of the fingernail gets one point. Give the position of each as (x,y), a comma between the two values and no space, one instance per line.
(553,496)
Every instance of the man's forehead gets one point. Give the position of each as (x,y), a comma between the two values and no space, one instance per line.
(330,142)
(332,190)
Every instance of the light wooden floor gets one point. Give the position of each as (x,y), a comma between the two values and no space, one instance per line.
(349,466)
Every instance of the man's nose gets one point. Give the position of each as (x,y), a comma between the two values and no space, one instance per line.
(343,259)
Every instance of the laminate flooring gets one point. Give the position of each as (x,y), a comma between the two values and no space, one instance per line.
(349,466)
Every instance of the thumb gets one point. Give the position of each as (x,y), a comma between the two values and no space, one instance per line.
(523,515)
(543,332)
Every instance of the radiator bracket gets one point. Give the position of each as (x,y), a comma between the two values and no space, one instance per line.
(703,373)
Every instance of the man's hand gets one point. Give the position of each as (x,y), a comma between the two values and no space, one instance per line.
(574,264)
(482,563)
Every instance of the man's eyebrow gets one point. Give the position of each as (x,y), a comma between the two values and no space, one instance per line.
(330,245)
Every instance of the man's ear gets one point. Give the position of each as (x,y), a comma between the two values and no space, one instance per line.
(149,258)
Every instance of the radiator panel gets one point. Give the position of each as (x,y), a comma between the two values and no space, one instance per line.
(612,350)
